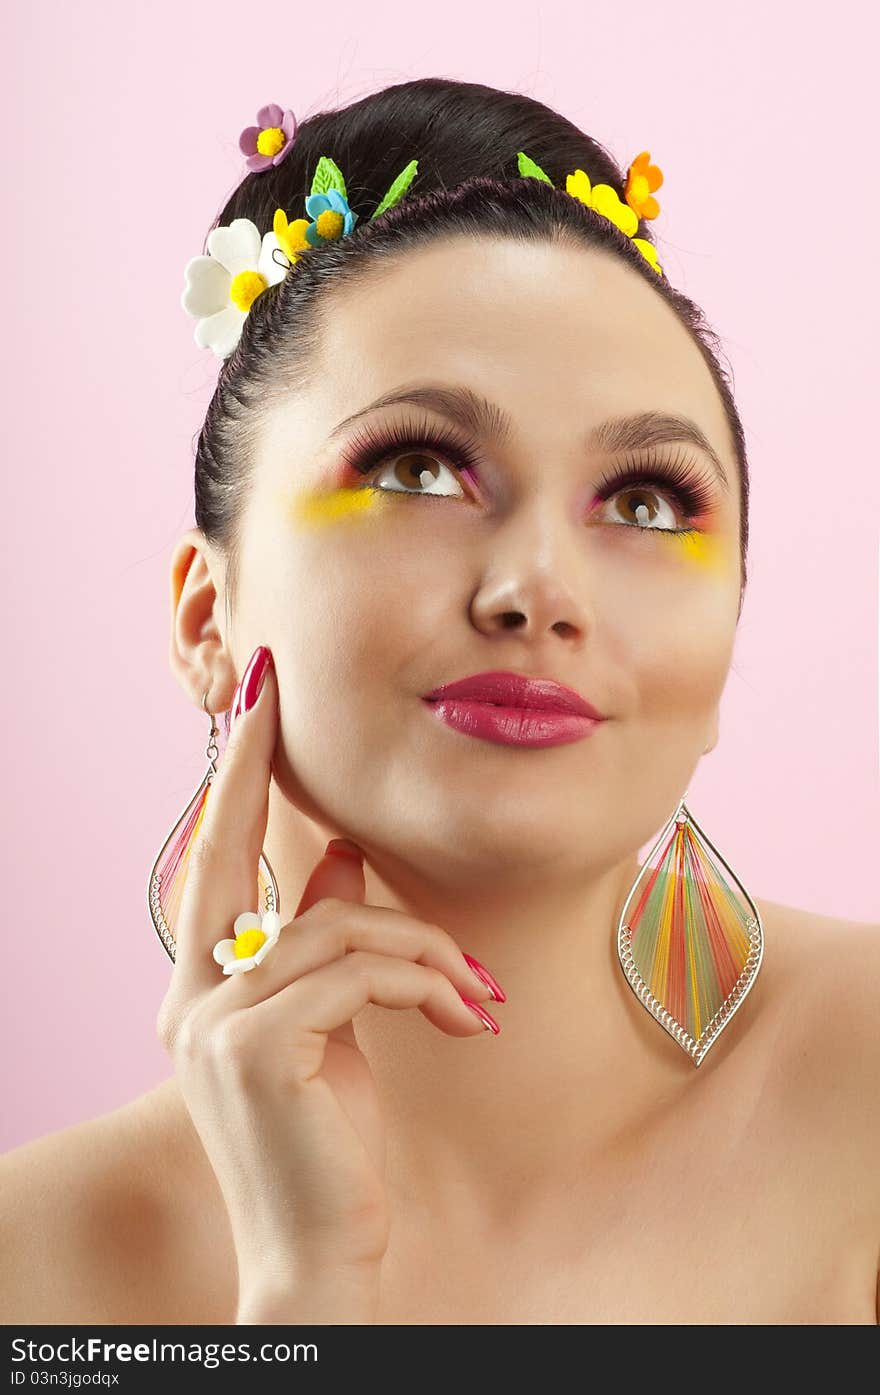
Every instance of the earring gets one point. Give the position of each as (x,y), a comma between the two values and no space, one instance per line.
(693,943)
(168,876)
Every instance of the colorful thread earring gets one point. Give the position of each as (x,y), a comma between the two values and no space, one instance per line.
(168,876)
(693,943)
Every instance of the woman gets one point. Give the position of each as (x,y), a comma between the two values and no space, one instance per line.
(569,1165)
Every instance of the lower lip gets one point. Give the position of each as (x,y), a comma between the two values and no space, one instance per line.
(511,726)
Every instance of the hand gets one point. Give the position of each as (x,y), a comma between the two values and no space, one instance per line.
(267,1061)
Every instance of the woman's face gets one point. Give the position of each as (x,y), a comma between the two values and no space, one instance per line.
(520,566)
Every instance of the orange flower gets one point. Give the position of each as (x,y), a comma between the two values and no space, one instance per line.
(642,179)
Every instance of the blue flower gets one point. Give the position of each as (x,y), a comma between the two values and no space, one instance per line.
(332,217)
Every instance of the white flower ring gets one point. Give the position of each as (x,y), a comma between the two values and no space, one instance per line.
(254,937)
(221,287)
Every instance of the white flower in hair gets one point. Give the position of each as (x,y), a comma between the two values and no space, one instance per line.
(253,940)
(222,286)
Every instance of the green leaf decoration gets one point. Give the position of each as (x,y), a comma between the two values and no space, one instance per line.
(397,190)
(529,170)
(328,175)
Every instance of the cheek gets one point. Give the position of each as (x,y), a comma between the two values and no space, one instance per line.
(678,659)
(341,647)
(671,657)
(342,581)
(368,538)
(338,576)
(668,614)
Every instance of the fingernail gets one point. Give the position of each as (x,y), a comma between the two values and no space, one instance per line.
(251,683)
(488,1022)
(345,847)
(236,706)
(485,977)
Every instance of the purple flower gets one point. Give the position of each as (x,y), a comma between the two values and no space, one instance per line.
(267,143)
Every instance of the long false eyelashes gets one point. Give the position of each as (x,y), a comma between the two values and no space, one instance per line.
(678,476)
(370,444)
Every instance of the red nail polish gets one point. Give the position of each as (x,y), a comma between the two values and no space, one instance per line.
(484,1017)
(345,848)
(482,972)
(251,683)
(235,708)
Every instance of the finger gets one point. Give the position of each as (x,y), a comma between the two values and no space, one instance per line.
(298,1020)
(339,873)
(332,929)
(221,879)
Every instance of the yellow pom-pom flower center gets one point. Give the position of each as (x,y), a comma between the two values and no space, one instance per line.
(270,140)
(330,224)
(248,942)
(245,288)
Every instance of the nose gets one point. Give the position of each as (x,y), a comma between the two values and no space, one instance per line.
(534,583)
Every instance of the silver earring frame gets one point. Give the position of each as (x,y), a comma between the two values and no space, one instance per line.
(696,1050)
(157,915)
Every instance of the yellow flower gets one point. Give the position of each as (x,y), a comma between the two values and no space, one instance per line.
(649,252)
(641,179)
(607,202)
(603,199)
(578,185)
(291,236)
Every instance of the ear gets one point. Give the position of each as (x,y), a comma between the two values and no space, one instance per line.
(712,736)
(198,652)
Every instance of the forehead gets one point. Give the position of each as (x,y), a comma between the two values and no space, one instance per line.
(550,332)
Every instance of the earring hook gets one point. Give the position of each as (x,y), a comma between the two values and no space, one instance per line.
(212,750)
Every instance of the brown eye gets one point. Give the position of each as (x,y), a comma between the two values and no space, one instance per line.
(415,472)
(643,508)
(651,494)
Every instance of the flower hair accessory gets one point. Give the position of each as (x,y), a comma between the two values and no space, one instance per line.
(271,140)
(254,937)
(222,286)
(240,264)
(638,201)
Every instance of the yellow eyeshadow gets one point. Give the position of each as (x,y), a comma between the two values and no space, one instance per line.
(705,550)
(318,506)
(314,507)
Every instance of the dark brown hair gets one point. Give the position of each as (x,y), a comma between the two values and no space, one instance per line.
(465,137)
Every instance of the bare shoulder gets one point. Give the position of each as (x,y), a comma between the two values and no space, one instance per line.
(826,970)
(823,976)
(824,983)
(98,1221)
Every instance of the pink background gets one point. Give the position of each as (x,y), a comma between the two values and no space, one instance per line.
(121,141)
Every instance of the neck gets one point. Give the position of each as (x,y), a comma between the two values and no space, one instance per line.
(486,1122)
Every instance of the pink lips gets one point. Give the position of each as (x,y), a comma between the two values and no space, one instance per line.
(514,709)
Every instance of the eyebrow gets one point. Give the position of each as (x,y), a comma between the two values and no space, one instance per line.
(482,417)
